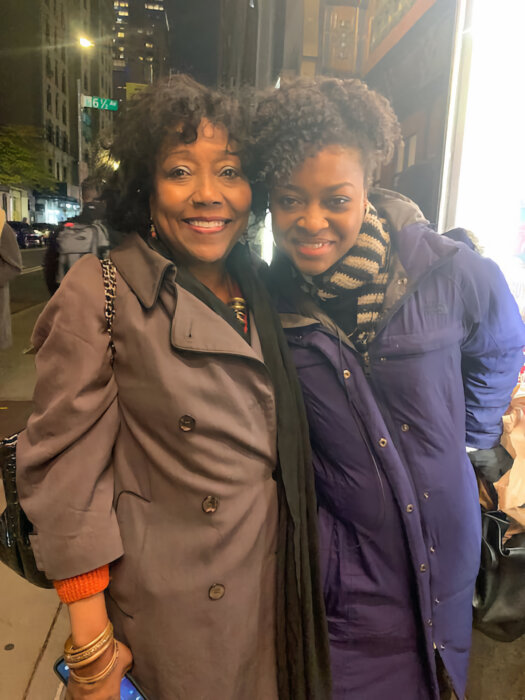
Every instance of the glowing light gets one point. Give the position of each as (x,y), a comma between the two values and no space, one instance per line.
(85,43)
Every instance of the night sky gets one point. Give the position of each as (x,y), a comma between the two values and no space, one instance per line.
(194,37)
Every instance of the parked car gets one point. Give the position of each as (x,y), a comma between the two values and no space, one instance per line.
(47,230)
(26,235)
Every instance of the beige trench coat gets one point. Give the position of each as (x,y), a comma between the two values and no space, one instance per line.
(10,267)
(162,465)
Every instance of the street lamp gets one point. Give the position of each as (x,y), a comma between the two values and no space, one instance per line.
(84,43)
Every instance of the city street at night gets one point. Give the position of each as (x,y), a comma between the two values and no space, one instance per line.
(269,441)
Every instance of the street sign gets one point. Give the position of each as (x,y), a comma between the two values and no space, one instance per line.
(99,103)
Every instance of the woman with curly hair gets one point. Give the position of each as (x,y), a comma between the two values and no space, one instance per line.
(402,339)
(166,466)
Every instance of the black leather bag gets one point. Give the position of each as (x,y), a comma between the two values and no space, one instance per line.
(15,528)
(499,599)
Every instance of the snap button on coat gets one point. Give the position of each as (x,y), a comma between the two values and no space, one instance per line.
(347,374)
(405,427)
(383,442)
(210,504)
(186,423)
(409,508)
(216,591)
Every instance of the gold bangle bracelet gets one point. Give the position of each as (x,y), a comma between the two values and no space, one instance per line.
(89,680)
(69,647)
(74,657)
(81,663)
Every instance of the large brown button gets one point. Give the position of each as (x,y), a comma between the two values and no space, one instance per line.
(186,423)
(216,591)
(210,504)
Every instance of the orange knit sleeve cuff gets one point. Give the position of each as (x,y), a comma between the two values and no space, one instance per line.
(72,589)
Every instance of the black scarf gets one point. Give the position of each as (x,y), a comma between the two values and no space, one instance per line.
(303,660)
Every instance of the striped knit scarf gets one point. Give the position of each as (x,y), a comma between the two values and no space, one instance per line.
(362,273)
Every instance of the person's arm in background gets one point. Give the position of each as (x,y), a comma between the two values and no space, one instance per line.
(10,256)
(10,267)
(492,355)
(50,263)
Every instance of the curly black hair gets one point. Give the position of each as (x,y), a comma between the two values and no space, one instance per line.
(172,110)
(304,115)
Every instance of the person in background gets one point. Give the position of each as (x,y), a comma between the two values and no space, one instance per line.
(166,468)
(407,346)
(10,267)
(93,209)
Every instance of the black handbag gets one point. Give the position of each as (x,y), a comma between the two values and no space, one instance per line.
(15,528)
(499,598)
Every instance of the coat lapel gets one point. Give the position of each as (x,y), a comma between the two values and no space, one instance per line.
(197,328)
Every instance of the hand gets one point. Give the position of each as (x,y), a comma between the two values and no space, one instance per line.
(109,687)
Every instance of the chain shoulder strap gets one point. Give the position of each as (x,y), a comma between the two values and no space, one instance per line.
(110,291)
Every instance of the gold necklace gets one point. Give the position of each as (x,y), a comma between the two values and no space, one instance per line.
(237,304)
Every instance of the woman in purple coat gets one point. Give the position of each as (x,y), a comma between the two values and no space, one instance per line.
(407,345)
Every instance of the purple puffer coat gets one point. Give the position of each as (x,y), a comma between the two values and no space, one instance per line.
(399,514)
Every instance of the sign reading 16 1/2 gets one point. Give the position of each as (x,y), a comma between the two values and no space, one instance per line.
(99,103)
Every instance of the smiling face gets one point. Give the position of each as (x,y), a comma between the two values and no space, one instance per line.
(201,199)
(318,213)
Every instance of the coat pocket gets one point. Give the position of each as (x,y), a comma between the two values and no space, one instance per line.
(127,572)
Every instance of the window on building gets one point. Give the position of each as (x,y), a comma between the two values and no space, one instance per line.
(148,45)
(400,157)
(411,148)
(57,137)
(49,132)
(50,166)
(48,32)
(64,173)
(56,106)
(121,35)
(58,171)
(65,143)
(64,114)
(48,99)
(63,81)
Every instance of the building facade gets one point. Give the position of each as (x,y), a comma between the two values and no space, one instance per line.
(43,73)
(140,45)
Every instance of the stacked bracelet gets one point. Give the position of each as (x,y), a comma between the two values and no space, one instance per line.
(79,657)
(85,680)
